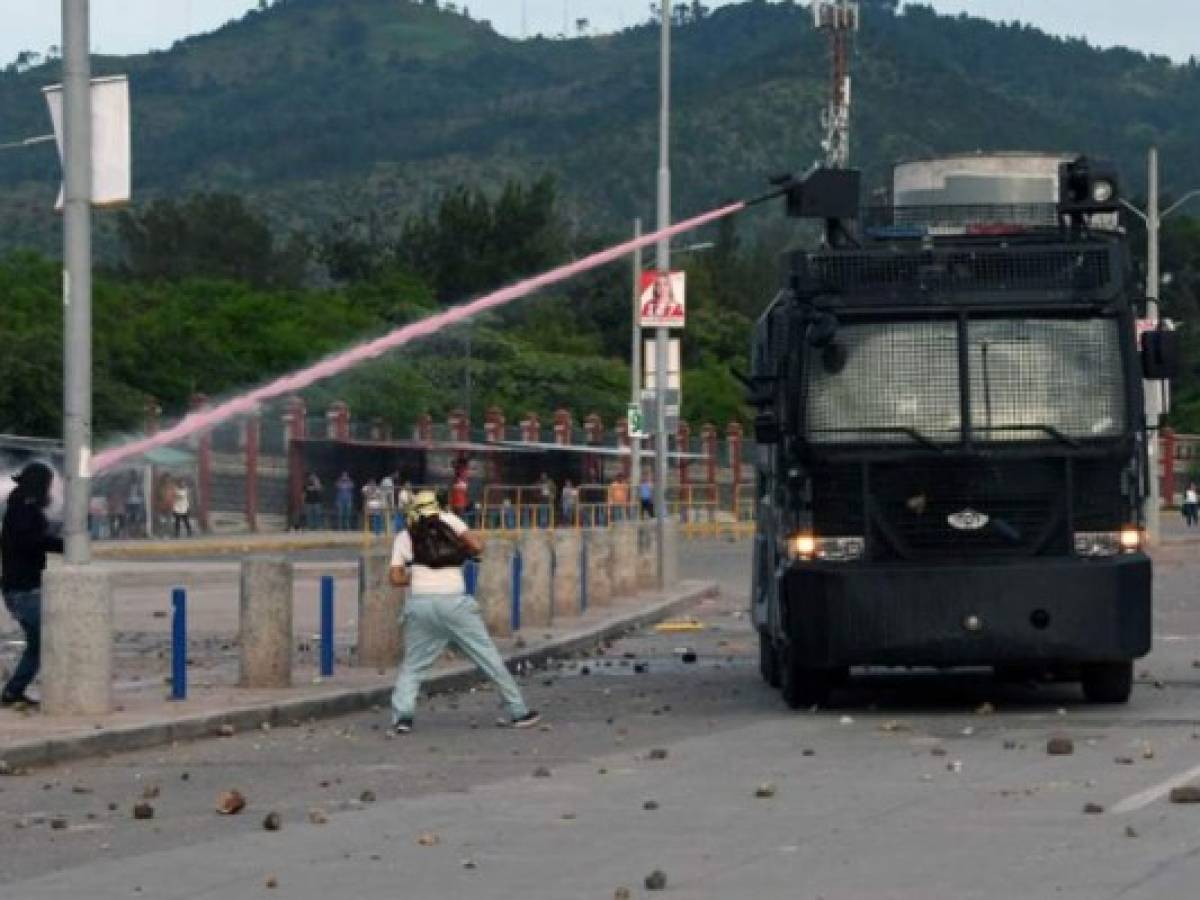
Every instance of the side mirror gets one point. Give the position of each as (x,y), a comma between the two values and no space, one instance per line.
(1160,354)
(766,429)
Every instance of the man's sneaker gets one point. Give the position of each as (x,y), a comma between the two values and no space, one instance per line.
(528,720)
(19,701)
(402,726)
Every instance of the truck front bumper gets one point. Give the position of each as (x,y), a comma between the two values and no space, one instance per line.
(1056,610)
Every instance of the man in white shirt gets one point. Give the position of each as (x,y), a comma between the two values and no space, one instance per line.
(428,557)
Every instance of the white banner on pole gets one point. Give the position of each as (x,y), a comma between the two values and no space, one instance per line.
(112,167)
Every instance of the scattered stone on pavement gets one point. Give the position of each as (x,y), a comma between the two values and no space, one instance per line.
(1093,809)
(367,796)
(541,772)
(272,822)
(1124,760)
(985,709)
(429,839)
(657,753)
(1147,750)
(650,805)
(143,810)
(317,816)
(892,726)
(656,880)
(58,823)
(765,791)
(230,803)
(622,893)
(1060,745)
(226,730)
(938,751)
(1188,793)
(272,882)
(151,791)
(1130,831)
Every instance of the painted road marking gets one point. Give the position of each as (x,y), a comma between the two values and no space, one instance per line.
(1144,798)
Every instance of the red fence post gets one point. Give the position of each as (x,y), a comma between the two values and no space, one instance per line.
(425,428)
(338,418)
(253,429)
(593,427)
(708,439)
(295,428)
(683,443)
(734,435)
(1168,448)
(531,428)
(623,443)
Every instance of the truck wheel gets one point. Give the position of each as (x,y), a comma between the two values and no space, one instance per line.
(768,660)
(1108,682)
(802,687)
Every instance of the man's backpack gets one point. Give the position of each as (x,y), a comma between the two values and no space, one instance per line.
(435,545)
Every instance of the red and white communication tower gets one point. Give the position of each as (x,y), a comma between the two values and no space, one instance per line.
(839,18)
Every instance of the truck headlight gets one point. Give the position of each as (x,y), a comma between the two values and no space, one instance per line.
(808,547)
(1107,543)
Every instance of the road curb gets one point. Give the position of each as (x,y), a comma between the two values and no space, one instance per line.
(206,547)
(103,742)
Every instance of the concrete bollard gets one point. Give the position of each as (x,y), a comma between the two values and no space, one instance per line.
(380,634)
(266,623)
(493,589)
(77,641)
(599,563)
(624,569)
(535,579)
(647,557)
(565,590)
(671,557)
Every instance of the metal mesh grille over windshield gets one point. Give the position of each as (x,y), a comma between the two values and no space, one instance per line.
(1055,374)
(886,384)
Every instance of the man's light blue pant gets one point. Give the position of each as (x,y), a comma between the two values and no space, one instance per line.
(431,622)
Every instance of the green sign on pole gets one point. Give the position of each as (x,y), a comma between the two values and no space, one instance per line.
(637,423)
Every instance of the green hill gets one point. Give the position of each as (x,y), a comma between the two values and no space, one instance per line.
(317,108)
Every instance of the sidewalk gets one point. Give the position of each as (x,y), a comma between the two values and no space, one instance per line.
(236,544)
(146,718)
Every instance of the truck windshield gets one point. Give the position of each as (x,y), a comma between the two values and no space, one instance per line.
(1029,379)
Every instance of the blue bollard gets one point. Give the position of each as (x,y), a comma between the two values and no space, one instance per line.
(471,576)
(517,566)
(179,644)
(326,626)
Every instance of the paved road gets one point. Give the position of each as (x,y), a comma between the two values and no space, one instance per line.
(904,791)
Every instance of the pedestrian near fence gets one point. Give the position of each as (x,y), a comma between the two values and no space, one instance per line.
(1191,506)
(428,557)
(25,540)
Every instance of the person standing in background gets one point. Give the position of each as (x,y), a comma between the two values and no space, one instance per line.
(345,501)
(181,507)
(313,513)
(25,540)
(570,503)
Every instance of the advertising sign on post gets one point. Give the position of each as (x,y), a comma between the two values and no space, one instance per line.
(663,301)
(111,151)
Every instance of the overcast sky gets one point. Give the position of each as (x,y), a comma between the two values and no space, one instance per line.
(1170,27)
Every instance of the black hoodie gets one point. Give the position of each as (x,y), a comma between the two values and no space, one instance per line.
(24,542)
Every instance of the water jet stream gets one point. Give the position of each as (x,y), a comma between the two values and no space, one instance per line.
(247,404)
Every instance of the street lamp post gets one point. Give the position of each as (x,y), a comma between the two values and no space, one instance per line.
(1153,219)
(77,277)
(635,366)
(664,268)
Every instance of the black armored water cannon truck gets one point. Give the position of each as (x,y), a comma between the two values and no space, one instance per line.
(952,445)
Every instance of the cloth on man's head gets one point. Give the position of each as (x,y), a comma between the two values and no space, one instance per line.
(425,504)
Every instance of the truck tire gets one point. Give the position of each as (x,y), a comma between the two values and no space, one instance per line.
(768,660)
(1107,682)
(802,687)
